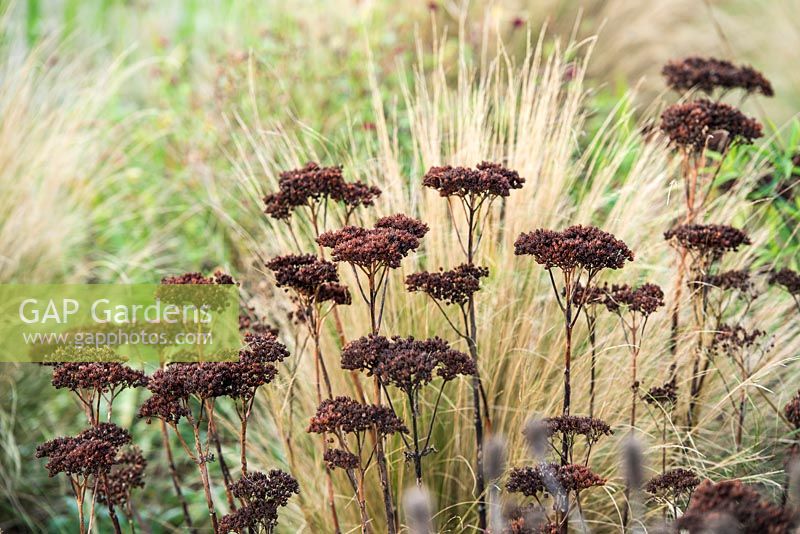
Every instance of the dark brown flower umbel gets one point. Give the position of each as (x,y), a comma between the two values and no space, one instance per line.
(452,287)
(644,300)
(738,501)
(312,278)
(343,414)
(665,395)
(572,425)
(263,495)
(92,452)
(341,459)
(792,410)
(311,184)
(386,244)
(673,483)
(98,376)
(789,279)
(738,280)
(126,474)
(709,74)
(711,240)
(488,179)
(586,247)
(406,363)
(692,124)
(552,478)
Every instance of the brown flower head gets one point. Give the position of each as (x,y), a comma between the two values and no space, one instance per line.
(736,280)
(552,478)
(665,395)
(644,300)
(707,240)
(262,348)
(573,425)
(341,459)
(92,452)
(452,287)
(406,363)
(385,245)
(740,502)
(310,277)
(589,297)
(693,124)
(733,339)
(586,247)
(343,414)
(708,74)
(211,295)
(126,474)
(249,323)
(312,184)
(673,483)
(792,410)
(789,279)
(263,494)
(486,180)
(98,376)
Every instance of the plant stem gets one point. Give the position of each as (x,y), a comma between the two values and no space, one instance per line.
(173,471)
(203,467)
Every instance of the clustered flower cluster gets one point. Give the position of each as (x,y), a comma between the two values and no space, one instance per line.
(451,287)
(263,494)
(709,74)
(554,479)
(348,416)
(691,125)
(92,452)
(487,179)
(586,247)
(312,184)
(314,280)
(644,300)
(707,241)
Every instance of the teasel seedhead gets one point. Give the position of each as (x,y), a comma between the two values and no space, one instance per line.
(311,184)
(740,502)
(552,478)
(391,240)
(709,74)
(693,125)
(665,395)
(455,286)
(707,240)
(788,279)
(586,247)
(574,425)
(263,495)
(673,484)
(125,475)
(792,411)
(98,376)
(406,363)
(643,300)
(341,459)
(343,414)
(92,452)
(313,279)
(486,180)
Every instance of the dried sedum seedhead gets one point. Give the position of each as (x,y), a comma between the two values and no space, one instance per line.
(92,452)
(709,74)
(486,180)
(573,425)
(313,279)
(126,474)
(792,410)
(406,363)
(692,125)
(341,459)
(578,246)
(674,483)
(385,245)
(665,395)
(263,495)
(343,414)
(789,279)
(644,300)
(98,376)
(311,184)
(708,240)
(452,287)
(740,502)
(736,280)
(552,478)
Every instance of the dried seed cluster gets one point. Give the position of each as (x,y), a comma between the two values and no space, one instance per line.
(92,452)
(487,179)
(406,363)
(312,183)
(343,414)
(708,239)
(790,280)
(674,482)
(692,124)
(645,299)
(311,277)
(126,474)
(386,244)
(98,376)
(263,494)
(738,501)
(552,478)
(709,74)
(792,410)
(572,425)
(341,459)
(665,395)
(452,287)
(587,247)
